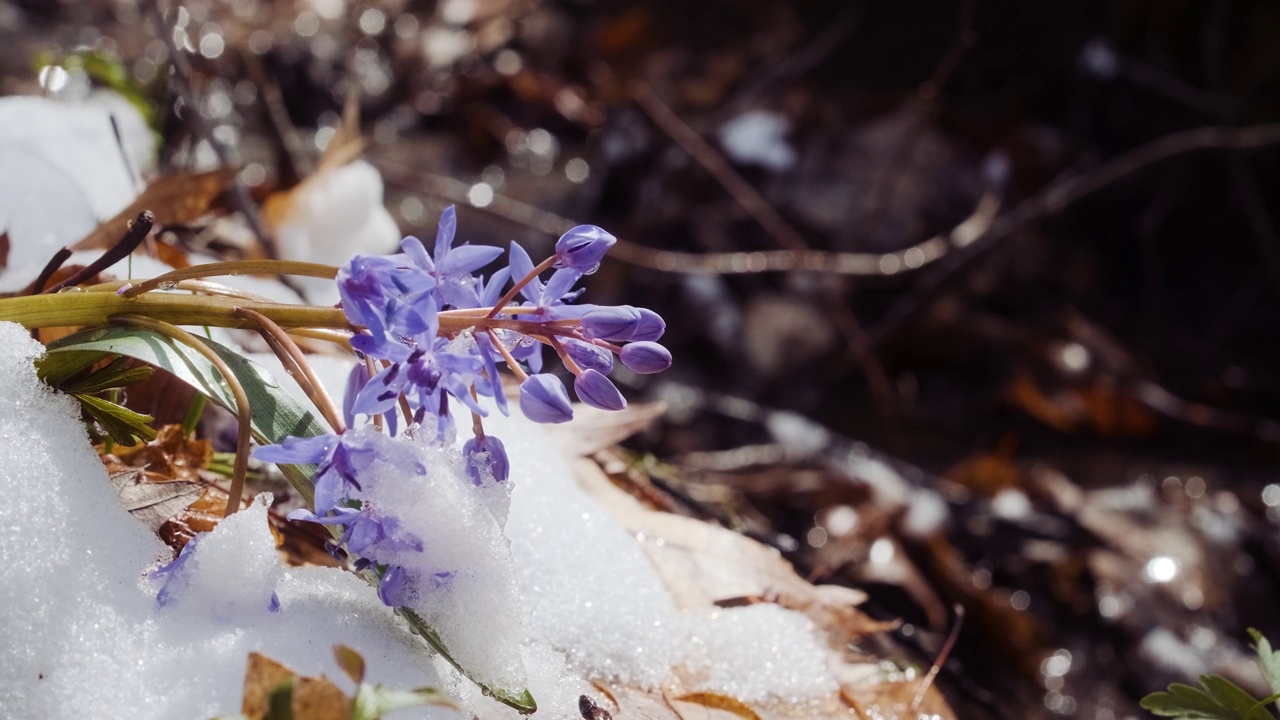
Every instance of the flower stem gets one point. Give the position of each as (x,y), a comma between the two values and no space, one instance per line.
(545,264)
(512,363)
(290,354)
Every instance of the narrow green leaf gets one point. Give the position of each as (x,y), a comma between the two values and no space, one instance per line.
(121,423)
(276,413)
(521,700)
(115,375)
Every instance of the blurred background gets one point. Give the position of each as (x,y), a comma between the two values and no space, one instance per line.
(972,303)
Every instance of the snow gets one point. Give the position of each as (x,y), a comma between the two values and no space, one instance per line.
(757,653)
(331,216)
(62,172)
(759,137)
(564,596)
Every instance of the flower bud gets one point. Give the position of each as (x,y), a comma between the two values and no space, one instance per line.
(595,390)
(650,327)
(543,399)
(486,458)
(583,247)
(645,358)
(610,322)
(588,356)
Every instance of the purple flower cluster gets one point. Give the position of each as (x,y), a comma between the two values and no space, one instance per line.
(431,333)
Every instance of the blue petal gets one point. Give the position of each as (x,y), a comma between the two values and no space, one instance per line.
(444,232)
(521,267)
(467,259)
(560,283)
(295,450)
(417,253)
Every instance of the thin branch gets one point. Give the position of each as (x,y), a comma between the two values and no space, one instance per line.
(182,77)
(243,413)
(709,158)
(133,237)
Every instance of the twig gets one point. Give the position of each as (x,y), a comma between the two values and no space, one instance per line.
(133,237)
(182,77)
(747,196)
(941,659)
(887,184)
(798,63)
(1061,194)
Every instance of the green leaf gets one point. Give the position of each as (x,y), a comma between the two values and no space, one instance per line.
(276,413)
(1220,699)
(1238,700)
(521,700)
(56,370)
(121,423)
(280,702)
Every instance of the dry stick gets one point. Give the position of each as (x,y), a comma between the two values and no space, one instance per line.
(909,259)
(747,196)
(1060,194)
(941,659)
(133,237)
(245,426)
(887,184)
(50,268)
(237,267)
(284,346)
(182,76)
(846,321)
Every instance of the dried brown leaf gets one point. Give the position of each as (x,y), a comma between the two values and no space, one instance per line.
(153,503)
(174,199)
(716,701)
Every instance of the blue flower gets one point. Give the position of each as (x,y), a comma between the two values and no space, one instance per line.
(171,572)
(582,248)
(595,390)
(543,399)
(485,457)
(452,267)
(645,358)
(338,464)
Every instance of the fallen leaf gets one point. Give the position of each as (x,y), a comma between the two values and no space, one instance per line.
(174,199)
(153,503)
(719,702)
